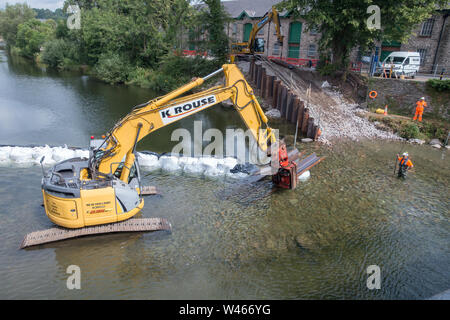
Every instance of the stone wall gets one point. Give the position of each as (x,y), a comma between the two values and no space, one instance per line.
(401,96)
(429,43)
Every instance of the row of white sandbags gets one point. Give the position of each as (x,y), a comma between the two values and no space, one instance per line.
(208,166)
(32,155)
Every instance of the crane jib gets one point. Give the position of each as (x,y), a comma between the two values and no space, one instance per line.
(179,111)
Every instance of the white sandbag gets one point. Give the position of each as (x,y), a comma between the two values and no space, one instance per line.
(193,167)
(208,162)
(21,155)
(227,164)
(304,176)
(80,153)
(47,152)
(169,163)
(4,153)
(187,161)
(149,162)
(61,154)
(213,172)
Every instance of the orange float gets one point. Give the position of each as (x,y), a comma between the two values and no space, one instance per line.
(373,94)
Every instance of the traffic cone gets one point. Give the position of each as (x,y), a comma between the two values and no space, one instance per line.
(385,110)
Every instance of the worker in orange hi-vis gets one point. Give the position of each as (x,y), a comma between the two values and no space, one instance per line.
(404,164)
(420,105)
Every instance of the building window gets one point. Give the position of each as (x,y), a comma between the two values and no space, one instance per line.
(313,31)
(312,50)
(235,27)
(276,49)
(423,54)
(427,28)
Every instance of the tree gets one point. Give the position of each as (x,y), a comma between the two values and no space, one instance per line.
(134,28)
(343,23)
(11,18)
(215,20)
(32,34)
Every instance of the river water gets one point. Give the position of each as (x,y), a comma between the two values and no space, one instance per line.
(228,241)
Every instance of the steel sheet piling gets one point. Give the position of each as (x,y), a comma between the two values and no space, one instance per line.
(310,129)
(276,86)
(263,83)
(289,105)
(305,120)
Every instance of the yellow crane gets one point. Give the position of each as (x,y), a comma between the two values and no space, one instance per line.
(106,188)
(253,45)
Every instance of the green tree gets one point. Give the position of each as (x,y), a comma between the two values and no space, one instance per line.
(215,20)
(11,18)
(133,28)
(48,14)
(32,34)
(343,23)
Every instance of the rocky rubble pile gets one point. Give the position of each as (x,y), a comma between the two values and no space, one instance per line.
(341,120)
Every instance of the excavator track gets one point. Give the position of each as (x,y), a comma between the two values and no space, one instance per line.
(59,233)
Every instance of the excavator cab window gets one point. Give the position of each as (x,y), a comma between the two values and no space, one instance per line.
(133,172)
(259,45)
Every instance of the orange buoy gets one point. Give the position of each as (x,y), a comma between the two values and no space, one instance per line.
(373,94)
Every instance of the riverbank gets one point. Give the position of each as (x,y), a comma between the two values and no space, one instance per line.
(336,114)
(174,70)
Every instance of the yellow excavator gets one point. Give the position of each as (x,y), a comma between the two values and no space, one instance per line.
(255,45)
(106,187)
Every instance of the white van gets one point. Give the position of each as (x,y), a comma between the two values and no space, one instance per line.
(403,63)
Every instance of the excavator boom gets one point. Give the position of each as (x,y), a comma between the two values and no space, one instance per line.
(170,108)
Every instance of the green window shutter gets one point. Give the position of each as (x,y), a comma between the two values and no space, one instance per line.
(295,32)
(247,29)
(294,51)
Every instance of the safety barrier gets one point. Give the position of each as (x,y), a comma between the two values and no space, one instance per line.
(194,53)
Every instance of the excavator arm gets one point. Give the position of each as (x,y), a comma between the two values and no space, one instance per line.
(249,46)
(268,17)
(121,141)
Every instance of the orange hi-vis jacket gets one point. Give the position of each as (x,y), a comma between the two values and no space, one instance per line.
(402,161)
(420,105)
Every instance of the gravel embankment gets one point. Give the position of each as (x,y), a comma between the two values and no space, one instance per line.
(336,116)
(341,120)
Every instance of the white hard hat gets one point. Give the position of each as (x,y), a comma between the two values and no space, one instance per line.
(423,98)
(405,154)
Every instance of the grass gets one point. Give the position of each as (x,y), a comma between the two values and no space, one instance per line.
(407,128)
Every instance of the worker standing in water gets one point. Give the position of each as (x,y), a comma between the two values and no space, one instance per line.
(404,164)
(420,105)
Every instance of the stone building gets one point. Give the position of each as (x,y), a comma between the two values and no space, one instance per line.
(431,39)
(300,45)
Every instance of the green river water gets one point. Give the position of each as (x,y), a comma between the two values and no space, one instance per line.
(228,242)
